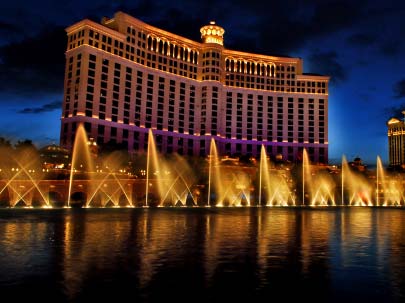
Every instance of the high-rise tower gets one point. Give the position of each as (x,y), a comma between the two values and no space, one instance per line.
(124,77)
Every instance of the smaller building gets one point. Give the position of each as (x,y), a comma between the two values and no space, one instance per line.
(54,157)
(396,142)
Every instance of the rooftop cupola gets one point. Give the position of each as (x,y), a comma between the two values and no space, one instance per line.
(212,33)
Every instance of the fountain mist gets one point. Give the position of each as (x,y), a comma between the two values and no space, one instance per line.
(318,183)
(277,191)
(172,176)
(169,181)
(389,191)
(356,190)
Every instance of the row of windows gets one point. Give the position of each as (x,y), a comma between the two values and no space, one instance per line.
(170,110)
(172,50)
(166,143)
(274,85)
(165,116)
(72,85)
(144,54)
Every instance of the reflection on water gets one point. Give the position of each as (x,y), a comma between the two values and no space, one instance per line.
(203,255)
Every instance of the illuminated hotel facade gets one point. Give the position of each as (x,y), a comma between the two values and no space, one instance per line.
(396,141)
(124,77)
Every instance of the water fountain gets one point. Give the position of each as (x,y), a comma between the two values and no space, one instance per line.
(82,163)
(20,184)
(174,181)
(318,184)
(356,189)
(229,181)
(172,176)
(389,191)
(110,186)
(274,188)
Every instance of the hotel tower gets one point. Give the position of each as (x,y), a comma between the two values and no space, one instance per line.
(124,77)
(396,141)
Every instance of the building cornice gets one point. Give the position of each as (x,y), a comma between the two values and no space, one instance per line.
(304,77)
(258,57)
(96,26)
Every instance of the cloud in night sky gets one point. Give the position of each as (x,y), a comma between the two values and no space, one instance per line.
(49,107)
(326,63)
(361,39)
(9,30)
(394,111)
(300,22)
(34,65)
(399,89)
(390,48)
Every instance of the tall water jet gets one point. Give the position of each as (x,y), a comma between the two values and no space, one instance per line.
(318,183)
(152,167)
(389,190)
(356,188)
(213,164)
(262,164)
(228,181)
(82,162)
(380,175)
(277,192)
(172,177)
(305,161)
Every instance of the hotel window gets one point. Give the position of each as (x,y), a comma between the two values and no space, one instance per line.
(113,131)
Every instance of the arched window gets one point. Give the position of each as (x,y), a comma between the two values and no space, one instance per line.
(165,48)
(186,55)
(181,53)
(176,51)
(154,44)
(171,50)
(149,46)
(195,57)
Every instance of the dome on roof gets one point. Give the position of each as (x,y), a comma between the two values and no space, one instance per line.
(212,33)
(54,156)
(393,121)
(53,148)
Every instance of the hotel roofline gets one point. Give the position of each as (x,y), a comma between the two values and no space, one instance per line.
(108,27)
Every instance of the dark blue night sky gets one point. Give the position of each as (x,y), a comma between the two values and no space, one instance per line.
(360,44)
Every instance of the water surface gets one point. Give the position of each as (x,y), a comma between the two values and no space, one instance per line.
(203,255)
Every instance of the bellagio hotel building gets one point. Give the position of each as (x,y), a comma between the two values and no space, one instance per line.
(124,77)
